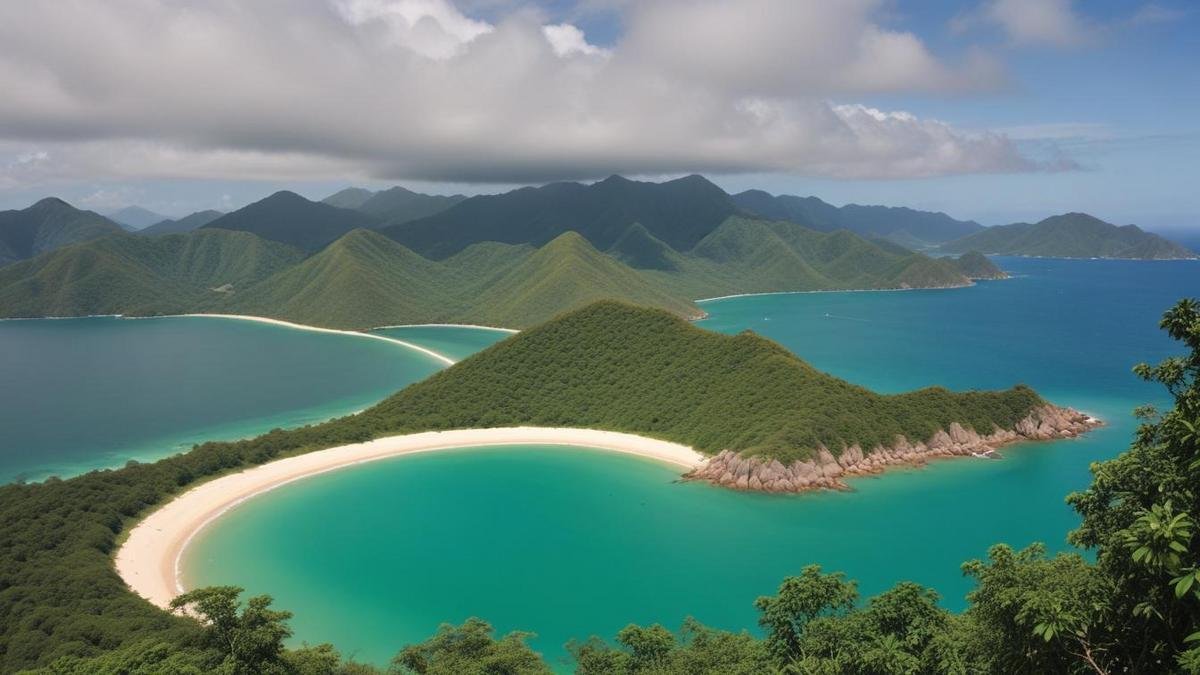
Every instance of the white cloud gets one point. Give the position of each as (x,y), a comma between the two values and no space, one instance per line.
(432,28)
(1053,22)
(416,89)
(567,39)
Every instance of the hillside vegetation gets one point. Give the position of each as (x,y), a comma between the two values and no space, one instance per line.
(47,225)
(623,368)
(908,227)
(1071,235)
(679,212)
(364,279)
(288,218)
(129,274)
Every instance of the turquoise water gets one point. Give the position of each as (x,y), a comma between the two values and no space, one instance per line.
(569,543)
(457,342)
(81,394)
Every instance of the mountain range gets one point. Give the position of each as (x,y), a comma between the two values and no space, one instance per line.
(908,227)
(1071,235)
(361,259)
(364,279)
(47,225)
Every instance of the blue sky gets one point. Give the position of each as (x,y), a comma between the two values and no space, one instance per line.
(1016,109)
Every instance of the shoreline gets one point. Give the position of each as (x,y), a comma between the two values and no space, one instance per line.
(300,326)
(973,283)
(150,559)
(510,331)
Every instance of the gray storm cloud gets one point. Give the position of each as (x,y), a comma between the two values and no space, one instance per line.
(414,89)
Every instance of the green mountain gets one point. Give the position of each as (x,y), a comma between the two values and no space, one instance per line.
(134,218)
(976,265)
(288,218)
(47,225)
(350,198)
(679,213)
(185,224)
(1071,235)
(907,227)
(361,280)
(744,255)
(617,367)
(130,274)
(364,279)
(565,274)
(398,205)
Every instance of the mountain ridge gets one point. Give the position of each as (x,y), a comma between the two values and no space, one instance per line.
(1071,235)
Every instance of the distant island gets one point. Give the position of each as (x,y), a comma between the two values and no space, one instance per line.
(511,260)
(1071,235)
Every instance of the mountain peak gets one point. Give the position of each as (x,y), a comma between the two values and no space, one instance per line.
(51,202)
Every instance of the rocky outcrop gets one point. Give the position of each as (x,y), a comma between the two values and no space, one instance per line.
(825,471)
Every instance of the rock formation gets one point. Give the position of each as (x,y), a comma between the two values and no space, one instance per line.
(824,471)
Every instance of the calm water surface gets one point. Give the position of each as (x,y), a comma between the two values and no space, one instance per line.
(570,543)
(80,394)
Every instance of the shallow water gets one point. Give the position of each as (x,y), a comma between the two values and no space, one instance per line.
(569,543)
(81,394)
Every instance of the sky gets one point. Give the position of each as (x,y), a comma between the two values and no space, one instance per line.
(993,110)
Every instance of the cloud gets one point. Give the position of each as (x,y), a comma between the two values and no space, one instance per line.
(1052,22)
(567,40)
(1057,23)
(418,90)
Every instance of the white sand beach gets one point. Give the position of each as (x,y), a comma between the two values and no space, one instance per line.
(429,352)
(149,560)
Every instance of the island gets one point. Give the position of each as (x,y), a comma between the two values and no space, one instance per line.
(1070,235)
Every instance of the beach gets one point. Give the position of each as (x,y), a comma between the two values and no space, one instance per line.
(299,326)
(150,559)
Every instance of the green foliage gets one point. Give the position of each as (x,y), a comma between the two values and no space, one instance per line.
(802,600)
(1071,235)
(911,228)
(363,279)
(131,274)
(48,225)
(288,218)
(695,649)
(616,367)
(976,265)
(470,649)
(249,640)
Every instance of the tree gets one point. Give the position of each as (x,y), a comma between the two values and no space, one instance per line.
(251,640)
(801,600)
(470,649)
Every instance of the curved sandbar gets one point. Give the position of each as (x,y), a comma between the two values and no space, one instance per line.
(278,322)
(510,331)
(149,560)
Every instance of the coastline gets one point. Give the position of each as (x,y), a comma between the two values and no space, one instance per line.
(149,561)
(847,290)
(510,331)
(316,329)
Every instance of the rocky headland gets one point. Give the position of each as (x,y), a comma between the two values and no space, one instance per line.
(825,471)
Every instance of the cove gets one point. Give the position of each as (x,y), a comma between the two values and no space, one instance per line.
(567,543)
(88,393)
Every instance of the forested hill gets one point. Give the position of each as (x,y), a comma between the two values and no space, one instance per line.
(288,218)
(679,212)
(1071,235)
(623,368)
(47,225)
(363,279)
(908,227)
